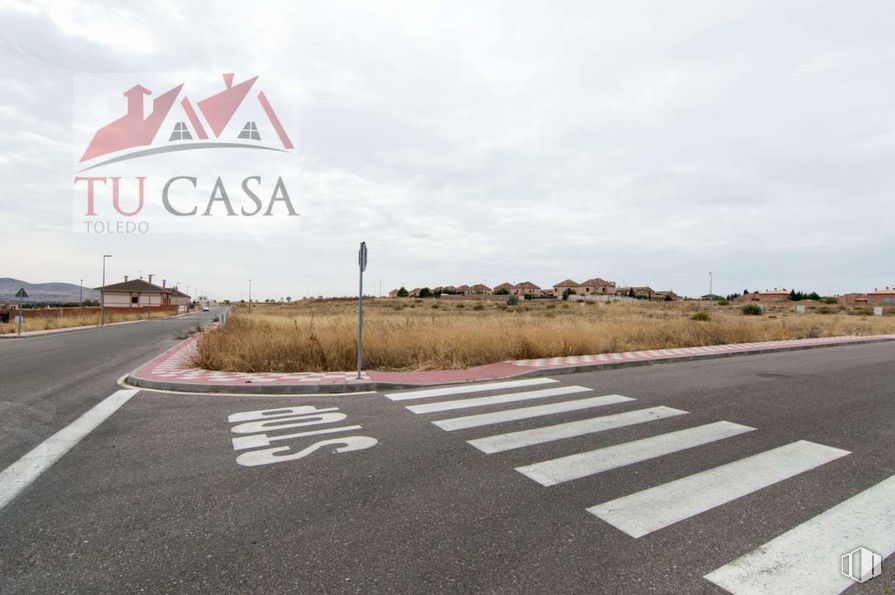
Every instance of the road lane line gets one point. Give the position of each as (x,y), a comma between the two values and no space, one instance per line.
(806,559)
(656,508)
(18,476)
(498,399)
(554,471)
(511,440)
(467,389)
(486,419)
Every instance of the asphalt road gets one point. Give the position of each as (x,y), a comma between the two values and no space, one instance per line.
(48,381)
(157,499)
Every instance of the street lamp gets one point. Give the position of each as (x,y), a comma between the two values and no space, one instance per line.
(710,284)
(81,294)
(102,294)
(250,296)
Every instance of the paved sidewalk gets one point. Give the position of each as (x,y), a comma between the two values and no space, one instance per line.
(173,370)
(70,329)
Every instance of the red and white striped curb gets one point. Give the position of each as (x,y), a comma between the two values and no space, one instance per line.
(660,354)
(175,366)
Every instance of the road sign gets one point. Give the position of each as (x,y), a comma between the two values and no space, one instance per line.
(362,257)
(22,293)
(362,264)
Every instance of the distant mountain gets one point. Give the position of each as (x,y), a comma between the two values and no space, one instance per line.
(43,292)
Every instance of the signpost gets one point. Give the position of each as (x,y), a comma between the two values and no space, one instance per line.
(362,265)
(21,294)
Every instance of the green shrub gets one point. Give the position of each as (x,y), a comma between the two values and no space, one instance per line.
(753,309)
(701,316)
(512,300)
(723,303)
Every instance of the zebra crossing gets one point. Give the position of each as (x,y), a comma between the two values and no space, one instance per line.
(867,516)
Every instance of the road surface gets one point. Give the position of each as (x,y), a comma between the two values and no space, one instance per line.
(755,474)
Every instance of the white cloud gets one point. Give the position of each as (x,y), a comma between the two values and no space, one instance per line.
(646,142)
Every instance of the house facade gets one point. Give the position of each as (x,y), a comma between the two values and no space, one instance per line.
(526,288)
(137,293)
(882,296)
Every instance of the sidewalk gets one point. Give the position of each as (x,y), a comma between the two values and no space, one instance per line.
(70,329)
(173,370)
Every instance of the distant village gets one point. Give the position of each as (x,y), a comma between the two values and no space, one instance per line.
(598,289)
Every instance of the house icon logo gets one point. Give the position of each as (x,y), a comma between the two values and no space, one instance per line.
(861,565)
(209,123)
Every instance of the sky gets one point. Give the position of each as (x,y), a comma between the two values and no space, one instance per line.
(646,143)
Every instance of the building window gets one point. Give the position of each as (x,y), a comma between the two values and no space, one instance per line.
(181,132)
(250,131)
(135,299)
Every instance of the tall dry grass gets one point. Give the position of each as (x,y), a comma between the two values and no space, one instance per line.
(429,334)
(41,323)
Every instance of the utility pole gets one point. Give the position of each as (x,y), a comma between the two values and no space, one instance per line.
(250,296)
(81,294)
(102,294)
(149,310)
(710,283)
(362,266)
(380,288)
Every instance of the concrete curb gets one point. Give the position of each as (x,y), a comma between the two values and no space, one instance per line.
(372,385)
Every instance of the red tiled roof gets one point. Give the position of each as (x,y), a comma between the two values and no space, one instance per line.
(567,283)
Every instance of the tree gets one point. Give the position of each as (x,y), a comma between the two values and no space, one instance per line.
(403,292)
(502,291)
(425,292)
(565,294)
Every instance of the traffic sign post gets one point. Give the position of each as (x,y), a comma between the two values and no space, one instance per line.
(362,266)
(20,316)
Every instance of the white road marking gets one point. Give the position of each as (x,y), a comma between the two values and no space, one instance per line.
(806,559)
(498,399)
(511,440)
(554,471)
(467,389)
(18,476)
(656,508)
(486,419)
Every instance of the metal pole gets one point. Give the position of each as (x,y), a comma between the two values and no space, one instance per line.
(81,294)
(21,317)
(250,296)
(710,283)
(360,321)
(102,294)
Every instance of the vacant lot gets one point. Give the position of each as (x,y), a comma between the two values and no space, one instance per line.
(40,323)
(404,334)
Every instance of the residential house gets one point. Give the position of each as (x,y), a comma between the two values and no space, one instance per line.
(560,288)
(504,288)
(137,293)
(665,296)
(643,293)
(882,296)
(597,286)
(853,298)
(478,289)
(463,289)
(525,288)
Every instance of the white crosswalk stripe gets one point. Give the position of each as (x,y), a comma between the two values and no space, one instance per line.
(655,508)
(555,471)
(511,440)
(465,389)
(498,399)
(496,417)
(806,559)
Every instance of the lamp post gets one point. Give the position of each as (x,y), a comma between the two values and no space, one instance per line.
(149,307)
(710,283)
(81,294)
(250,296)
(102,294)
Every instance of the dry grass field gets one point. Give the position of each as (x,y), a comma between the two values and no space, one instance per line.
(54,322)
(413,334)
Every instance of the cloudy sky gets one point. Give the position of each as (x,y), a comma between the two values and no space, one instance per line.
(642,142)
